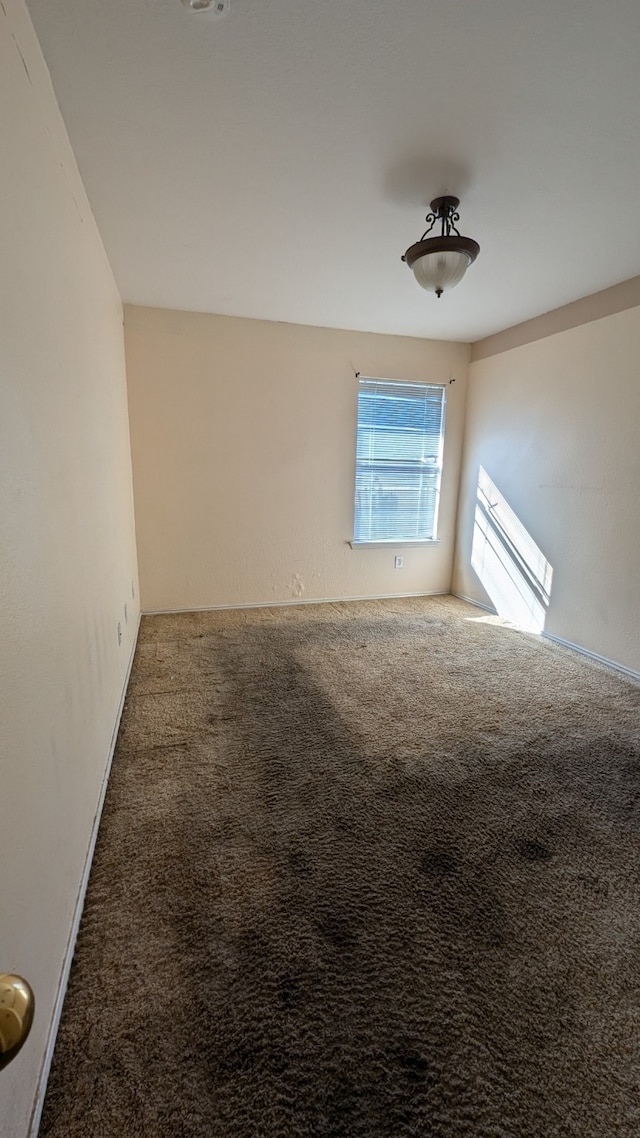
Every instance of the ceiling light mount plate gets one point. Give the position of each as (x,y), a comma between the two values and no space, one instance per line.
(215,9)
(439,263)
(446,206)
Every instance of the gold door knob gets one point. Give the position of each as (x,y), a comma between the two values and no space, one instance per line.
(17,1003)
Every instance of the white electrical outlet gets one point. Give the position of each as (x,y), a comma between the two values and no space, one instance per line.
(398,562)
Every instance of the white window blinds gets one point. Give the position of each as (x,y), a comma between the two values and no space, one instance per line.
(398,460)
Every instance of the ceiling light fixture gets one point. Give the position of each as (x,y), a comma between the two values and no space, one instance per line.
(440,263)
(215,8)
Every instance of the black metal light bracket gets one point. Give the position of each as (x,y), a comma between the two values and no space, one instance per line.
(445,211)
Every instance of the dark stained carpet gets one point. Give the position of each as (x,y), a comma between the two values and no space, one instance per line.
(364,871)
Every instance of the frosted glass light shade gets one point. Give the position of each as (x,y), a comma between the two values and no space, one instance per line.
(441,270)
(439,263)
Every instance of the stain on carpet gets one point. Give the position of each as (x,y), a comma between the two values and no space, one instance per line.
(364,871)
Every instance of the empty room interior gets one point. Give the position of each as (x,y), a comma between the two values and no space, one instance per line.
(320,654)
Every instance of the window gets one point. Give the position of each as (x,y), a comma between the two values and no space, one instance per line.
(398,460)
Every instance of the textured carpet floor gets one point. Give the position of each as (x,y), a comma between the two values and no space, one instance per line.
(364,871)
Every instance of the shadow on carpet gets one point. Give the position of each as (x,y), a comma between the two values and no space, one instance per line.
(364,871)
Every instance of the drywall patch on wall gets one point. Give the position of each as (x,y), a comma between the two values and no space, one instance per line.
(297,586)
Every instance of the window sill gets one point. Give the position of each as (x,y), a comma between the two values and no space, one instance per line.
(399,544)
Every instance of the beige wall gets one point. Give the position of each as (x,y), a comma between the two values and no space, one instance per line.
(67,553)
(243,443)
(555,425)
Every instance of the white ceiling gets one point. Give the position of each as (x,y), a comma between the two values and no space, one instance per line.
(276,163)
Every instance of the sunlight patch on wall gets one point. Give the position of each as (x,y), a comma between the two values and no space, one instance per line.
(512,569)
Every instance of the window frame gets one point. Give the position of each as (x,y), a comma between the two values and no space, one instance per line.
(360,542)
